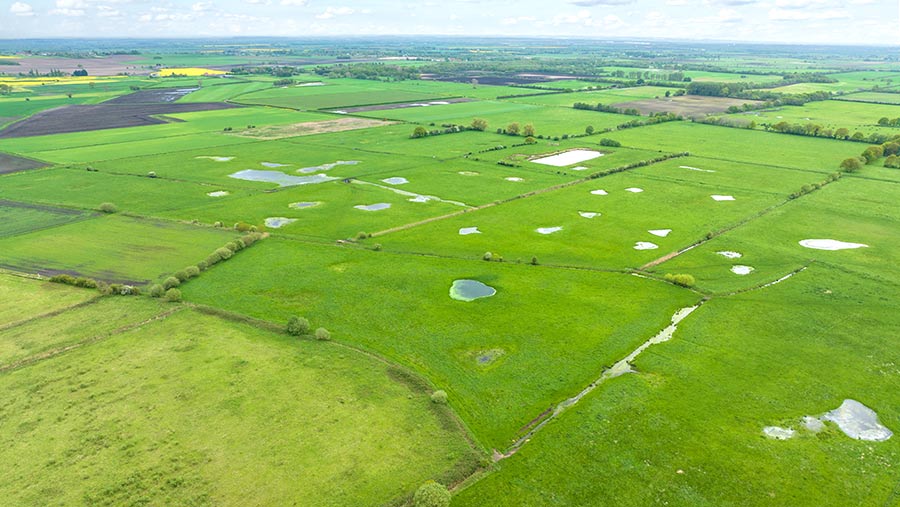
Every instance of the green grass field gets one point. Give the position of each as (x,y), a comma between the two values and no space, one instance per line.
(23,298)
(214,400)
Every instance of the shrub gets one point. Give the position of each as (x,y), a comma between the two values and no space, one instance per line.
(181,275)
(530,140)
(439,397)
(171,282)
(680,279)
(63,278)
(151,174)
(487,256)
(234,246)
(217,224)
(212,259)
(851,165)
(157,290)
(892,162)
(173,295)
(224,253)
(418,132)
(297,326)
(432,494)
(202,265)
(192,271)
(361,235)
(85,282)
(107,207)
(243,226)
(610,142)
(322,334)
(534,261)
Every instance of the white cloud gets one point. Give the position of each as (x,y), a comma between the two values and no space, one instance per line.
(105,11)
(676,3)
(331,12)
(258,2)
(201,6)
(517,20)
(297,3)
(802,15)
(21,9)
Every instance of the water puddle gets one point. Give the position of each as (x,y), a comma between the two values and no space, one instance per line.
(470,290)
(778,433)
(689,168)
(303,205)
(514,178)
(662,233)
(326,167)
(645,245)
(599,192)
(858,421)
(589,214)
(579,168)
(216,159)
(218,193)
(486,357)
(634,190)
(730,255)
(741,270)
(465,231)
(279,178)
(414,197)
(373,207)
(548,230)
(830,244)
(722,197)
(568,158)
(469,173)
(276,222)
(272,164)
(396,180)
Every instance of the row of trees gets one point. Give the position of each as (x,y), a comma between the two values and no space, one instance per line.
(890,150)
(816,130)
(606,108)
(888,122)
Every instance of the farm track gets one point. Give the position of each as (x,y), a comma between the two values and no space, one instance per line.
(28,361)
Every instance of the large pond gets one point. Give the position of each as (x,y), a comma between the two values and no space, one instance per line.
(470,290)
(568,158)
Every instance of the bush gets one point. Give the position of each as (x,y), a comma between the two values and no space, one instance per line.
(534,261)
(297,326)
(202,265)
(680,279)
(217,224)
(151,174)
(181,275)
(439,397)
(432,494)
(85,282)
(892,162)
(851,165)
(157,290)
(63,278)
(322,334)
(107,207)
(487,256)
(192,271)
(171,282)
(243,226)
(610,142)
(173,295)
(224,253)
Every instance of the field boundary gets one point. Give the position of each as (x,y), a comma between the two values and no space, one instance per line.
(54,313)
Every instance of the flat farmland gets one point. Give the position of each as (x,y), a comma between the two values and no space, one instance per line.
(19,218)
(112,248)
(596,318)
(23,298)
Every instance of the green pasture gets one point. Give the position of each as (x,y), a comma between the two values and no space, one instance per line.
(741,145)
(499,114)
(852,210)
(831,114)
(686,430)
(113,248)
(22,298)
(334,94)
(874,97)
(577,322)
(196,410)
(19,218)
(671,198)
(606,96)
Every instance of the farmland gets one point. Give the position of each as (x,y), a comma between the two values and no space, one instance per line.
(229,277)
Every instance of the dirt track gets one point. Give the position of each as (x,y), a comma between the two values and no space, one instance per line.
(687,105)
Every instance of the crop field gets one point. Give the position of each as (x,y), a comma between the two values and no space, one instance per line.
(271,287)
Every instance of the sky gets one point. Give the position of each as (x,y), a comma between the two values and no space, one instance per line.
(875,22)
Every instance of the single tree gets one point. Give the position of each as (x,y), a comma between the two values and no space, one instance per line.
(528,130)
(297,326)
(851,165)
(589,130)
(479,124)
(513,129)
(418,132)
(432,494)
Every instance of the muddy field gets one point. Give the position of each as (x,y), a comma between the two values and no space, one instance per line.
(11,164)
(155,96)
(311,127)
(101,116)
(108,66)
(687,105)
(402,105)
